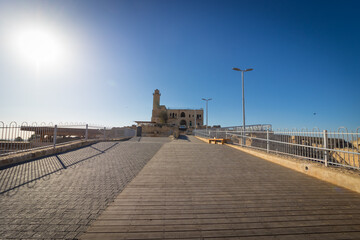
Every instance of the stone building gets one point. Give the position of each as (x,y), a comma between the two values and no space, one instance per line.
(175,117)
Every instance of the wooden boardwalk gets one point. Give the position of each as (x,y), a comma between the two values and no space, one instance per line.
(194,190)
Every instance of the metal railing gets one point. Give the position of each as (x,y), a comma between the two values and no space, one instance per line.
(336,148)
(15,138)
(256,127)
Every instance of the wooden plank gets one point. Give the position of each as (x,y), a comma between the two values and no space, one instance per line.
(195,190)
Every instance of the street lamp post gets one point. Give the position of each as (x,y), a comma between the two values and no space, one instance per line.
(243,97)
(195,117)
(207,116)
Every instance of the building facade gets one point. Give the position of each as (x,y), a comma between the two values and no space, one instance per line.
(175,117)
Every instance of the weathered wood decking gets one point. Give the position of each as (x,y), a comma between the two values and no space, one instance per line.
(195,190)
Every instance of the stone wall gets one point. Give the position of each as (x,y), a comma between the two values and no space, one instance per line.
(185,117)
(158,131)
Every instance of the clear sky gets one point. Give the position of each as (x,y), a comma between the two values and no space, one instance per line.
(100,61)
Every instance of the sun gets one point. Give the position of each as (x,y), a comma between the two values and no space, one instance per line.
(39,46)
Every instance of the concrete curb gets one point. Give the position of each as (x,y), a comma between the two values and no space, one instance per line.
(339,176)
(18,158)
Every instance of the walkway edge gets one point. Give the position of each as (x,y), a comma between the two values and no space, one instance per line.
(340,177)
(26,156)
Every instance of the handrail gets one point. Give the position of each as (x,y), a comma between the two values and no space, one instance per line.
(341,148)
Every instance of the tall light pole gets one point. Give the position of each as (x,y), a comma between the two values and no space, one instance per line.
(243,97)
(207,116)
(195,117)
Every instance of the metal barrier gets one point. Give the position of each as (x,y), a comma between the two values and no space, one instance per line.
(337,148)
(16,138)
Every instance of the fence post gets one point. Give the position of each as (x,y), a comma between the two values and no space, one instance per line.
(86,132)
(104,133)
(55,133)
(244,138)
(267,141)
(325,146)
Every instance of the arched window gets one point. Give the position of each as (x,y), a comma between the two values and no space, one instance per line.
(182,114)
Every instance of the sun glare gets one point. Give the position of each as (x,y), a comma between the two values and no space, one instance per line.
(39,47)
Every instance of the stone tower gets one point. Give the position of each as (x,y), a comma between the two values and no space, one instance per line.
(156,99)
(156,106)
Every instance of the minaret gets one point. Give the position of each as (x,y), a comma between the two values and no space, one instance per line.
(156,100)
(156,106)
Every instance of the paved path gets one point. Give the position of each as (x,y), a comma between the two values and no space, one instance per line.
(58,197)
(194,190)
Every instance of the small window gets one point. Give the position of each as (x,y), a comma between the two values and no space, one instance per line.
(182,115)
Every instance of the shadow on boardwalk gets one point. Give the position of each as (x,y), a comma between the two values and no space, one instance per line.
(184,137)
(29,173)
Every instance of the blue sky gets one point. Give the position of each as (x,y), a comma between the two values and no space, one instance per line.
(305,55)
